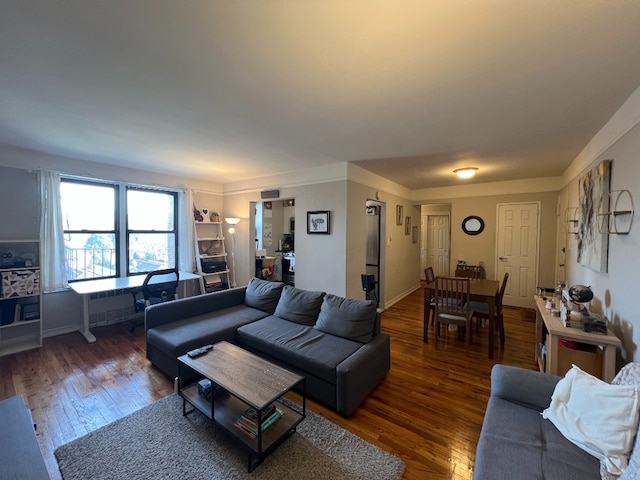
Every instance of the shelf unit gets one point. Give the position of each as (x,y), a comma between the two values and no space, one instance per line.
(571,220)
(211,257)
(615,212)
(20,296)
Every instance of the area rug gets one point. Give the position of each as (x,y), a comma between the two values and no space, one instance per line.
(158,442)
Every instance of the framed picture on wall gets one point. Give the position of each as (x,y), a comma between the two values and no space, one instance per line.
(407,225)
(399,214)
(318,222)
(414,234)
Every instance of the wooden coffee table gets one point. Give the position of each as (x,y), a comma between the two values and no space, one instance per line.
(241,380)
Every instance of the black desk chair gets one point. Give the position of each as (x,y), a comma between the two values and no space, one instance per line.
(159,286)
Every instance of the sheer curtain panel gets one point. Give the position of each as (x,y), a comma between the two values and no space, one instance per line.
(53,275)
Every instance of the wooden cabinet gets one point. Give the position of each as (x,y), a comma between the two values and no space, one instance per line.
(288,213)
(20,296)
(211,257)
(596,355)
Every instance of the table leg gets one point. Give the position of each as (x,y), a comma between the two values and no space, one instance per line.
(609,363)
(426,316)
(86,333)
(492,326)
(552,355)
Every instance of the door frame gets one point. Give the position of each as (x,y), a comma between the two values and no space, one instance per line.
(537,259)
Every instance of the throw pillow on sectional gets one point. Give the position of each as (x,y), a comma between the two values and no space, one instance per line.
(263,295)
(347,318)
(299,306)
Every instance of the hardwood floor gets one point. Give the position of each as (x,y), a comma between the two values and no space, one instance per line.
(428,410)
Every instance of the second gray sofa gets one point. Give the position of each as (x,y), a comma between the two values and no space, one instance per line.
(333,341)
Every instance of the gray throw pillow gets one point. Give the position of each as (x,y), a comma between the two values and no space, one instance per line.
(347,318)
(299,306)
(263,295)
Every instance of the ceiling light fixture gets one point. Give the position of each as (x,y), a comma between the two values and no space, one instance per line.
(466,172)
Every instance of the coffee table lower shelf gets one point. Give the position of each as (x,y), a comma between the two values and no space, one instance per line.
(226,409)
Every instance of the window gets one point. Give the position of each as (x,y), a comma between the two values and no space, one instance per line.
(151,230)
(102,218)
(89,214)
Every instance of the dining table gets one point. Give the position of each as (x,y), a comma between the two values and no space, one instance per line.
(480,290)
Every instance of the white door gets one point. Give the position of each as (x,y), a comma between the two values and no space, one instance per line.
(436,244)
(517,249)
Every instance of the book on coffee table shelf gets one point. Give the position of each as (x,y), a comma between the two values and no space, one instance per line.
(248,424)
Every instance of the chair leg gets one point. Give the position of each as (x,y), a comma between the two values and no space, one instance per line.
(501,330)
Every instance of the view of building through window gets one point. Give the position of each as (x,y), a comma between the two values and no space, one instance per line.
(106,233)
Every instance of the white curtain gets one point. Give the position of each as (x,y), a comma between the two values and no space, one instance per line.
(53,275)
(186,259)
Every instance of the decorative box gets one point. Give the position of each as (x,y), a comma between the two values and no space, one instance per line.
(20,283)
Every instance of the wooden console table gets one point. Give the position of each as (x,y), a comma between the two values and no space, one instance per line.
(600,361)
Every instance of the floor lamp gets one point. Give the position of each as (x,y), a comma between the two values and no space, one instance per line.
(233,221)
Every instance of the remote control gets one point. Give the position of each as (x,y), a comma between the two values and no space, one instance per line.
(199,351)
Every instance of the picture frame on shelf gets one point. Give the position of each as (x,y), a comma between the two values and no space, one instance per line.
(318,222)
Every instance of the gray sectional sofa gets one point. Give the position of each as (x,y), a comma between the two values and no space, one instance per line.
(334,342)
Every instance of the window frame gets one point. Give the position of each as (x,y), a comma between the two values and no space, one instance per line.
(128,232)
(116,194)
(121,230)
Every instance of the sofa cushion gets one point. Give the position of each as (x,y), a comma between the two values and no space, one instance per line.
(263,295)
(299,306)
(600,418)
(516,438)
(177,338)
(630,375)
(304,347)
(347,318)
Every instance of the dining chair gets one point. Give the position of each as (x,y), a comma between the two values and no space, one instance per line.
(452,305)
(159,286)
(481,310)
(471,271)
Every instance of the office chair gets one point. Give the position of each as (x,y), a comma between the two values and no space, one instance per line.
(159,286)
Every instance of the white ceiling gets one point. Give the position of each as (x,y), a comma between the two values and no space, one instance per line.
(238,89)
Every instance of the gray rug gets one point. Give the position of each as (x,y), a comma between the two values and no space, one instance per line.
(157,442)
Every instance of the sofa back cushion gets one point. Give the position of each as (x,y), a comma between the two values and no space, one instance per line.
(347,318)
(263,295)
(299,306)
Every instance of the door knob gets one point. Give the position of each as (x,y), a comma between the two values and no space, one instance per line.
(503,259)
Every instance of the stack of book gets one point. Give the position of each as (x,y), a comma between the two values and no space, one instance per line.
(248,421)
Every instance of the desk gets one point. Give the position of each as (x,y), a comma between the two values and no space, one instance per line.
(87,287)
(482,290)
(550,329)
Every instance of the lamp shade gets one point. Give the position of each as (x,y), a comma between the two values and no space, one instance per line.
(466,172)
(232,220)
